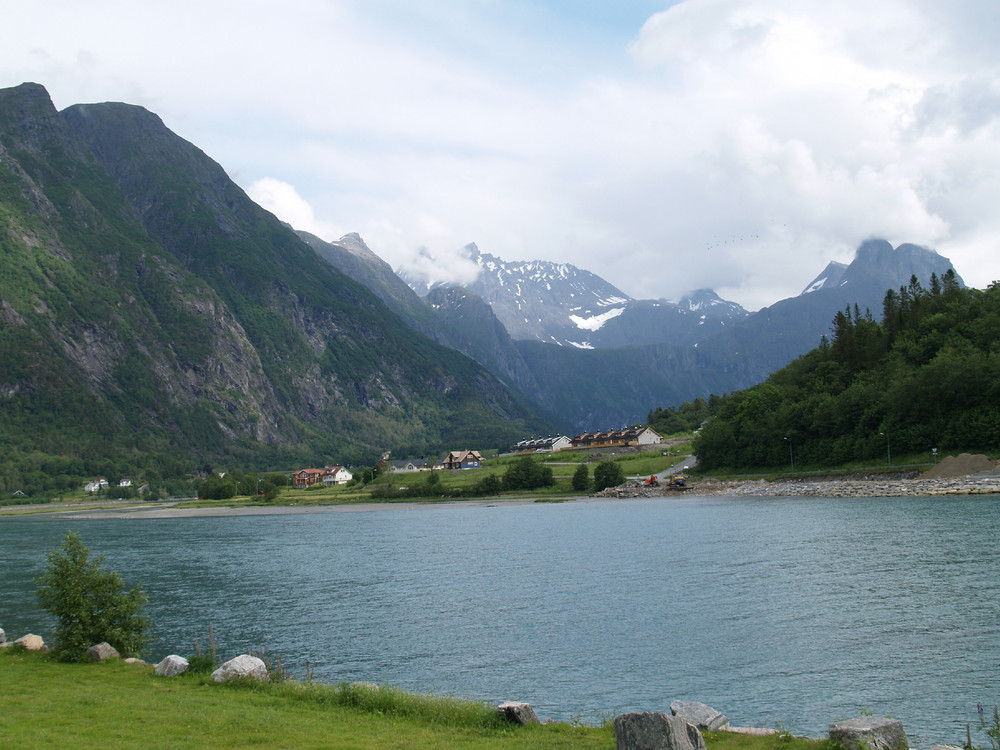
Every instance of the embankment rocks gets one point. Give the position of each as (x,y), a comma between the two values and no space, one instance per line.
(704,717)
(653,730)
(869,733)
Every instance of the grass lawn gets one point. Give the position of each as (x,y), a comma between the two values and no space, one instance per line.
(118,706)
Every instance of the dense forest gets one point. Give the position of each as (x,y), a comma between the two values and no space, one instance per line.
(927,376)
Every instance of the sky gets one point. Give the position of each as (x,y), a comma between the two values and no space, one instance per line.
(667,146)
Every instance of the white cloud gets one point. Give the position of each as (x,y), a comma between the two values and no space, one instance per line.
(284,201)
(447,267)
(735,144)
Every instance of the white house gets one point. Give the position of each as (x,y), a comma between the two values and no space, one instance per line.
(336,475)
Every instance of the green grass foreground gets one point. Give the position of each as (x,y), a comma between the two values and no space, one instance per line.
(118,706)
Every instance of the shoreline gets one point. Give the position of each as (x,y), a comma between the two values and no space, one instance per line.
(986,483)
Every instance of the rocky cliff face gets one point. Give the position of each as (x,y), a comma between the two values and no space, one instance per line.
(143,294)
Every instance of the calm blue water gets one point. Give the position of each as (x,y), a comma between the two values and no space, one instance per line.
(785,611)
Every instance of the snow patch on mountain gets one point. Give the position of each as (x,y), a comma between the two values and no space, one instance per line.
(595,322)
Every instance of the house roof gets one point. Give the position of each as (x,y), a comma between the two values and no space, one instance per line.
(536,443)
(457,456)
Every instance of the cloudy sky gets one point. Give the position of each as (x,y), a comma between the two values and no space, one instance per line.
(666,146)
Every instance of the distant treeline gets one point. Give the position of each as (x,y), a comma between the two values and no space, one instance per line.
(927,376)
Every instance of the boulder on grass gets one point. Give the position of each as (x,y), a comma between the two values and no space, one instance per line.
(653,730)
(171,666)
(706,718)
(869,733)
(3,638)
(243,666)
(30,642)
(102,651)
(518,713)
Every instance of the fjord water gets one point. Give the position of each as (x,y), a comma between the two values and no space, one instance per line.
(791,612)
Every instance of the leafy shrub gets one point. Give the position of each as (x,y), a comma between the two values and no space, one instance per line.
(581,478)
(90,604)
(607,474)
(488,485)
(527,474)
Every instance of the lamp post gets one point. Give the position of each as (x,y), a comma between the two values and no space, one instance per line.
(888,449)
(791,458)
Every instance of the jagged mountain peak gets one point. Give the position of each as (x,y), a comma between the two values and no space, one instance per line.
(703,299)
(353,243)
(876,260)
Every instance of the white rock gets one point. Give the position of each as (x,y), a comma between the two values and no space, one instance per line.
(30,642)
(243,666)
(171,666)
(702,716)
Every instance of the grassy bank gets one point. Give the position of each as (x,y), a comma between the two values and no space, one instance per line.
(118,706)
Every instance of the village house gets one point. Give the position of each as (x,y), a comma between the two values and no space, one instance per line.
(96,486)
(628,436)
(336,475)
(462,460)
(307,478)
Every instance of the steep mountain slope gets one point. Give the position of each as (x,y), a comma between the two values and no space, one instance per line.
(352,257)
(148,307)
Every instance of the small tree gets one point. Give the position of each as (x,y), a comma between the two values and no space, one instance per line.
(607,474)
(90,604)
(581,478)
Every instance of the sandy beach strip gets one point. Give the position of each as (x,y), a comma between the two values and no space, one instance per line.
(170,510)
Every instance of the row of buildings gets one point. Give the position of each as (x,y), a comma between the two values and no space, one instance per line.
(336,475)
(626,437)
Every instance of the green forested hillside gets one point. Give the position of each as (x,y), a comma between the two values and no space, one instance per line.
(927,376)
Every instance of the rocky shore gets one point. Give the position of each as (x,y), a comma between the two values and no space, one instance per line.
(966,474)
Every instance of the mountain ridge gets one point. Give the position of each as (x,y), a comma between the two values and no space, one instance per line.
(145,300)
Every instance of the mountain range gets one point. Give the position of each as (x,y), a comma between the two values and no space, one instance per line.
(150,311)
(561,304)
